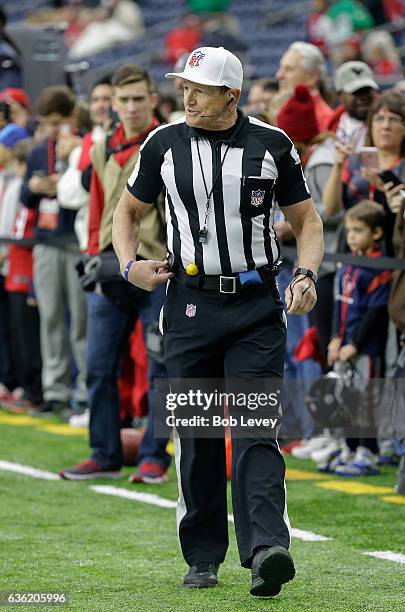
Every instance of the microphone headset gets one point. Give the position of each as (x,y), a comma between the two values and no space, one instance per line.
(231,99)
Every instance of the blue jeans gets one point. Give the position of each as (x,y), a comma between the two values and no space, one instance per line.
(108,330)
(298,374)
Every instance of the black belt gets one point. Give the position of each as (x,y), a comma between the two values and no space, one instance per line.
(225,283)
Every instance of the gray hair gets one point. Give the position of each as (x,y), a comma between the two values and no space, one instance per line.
(311,58)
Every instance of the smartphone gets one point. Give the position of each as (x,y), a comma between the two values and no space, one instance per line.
(388,176)
(369,157)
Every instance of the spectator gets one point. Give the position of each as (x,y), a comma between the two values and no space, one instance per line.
(56,283)
(319,25)
(353,14)
(349,51)
(317,149)
(10,185)
(19,106)
(356,85)
(260,95)
(183,39)
(399,86)
(350,182)
(394,10)
(380,52)
(361,321)
(10,57)
(78,16)
(167,106)
(73,186)
(349,20)
(304,63)
(116,21)
(115,307)
(394,397)
(24,317)
(297,118)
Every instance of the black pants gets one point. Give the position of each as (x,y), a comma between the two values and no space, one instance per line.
(322,314)
(7,366)
(24,324)
(233,336)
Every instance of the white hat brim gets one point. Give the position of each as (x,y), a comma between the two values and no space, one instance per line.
(188,77)
(360,84)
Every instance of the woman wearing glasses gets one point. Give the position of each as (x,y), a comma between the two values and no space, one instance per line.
(354,177)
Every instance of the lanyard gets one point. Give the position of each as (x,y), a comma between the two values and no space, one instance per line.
(203,233)
(51,156)
(348,286)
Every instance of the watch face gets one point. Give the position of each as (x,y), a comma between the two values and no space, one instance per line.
(306,272)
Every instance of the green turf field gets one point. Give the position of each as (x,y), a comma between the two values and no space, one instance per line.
(110,553)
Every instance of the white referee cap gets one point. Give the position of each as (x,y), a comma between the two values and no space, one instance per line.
(212,66)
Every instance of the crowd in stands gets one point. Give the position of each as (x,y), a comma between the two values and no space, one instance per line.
(73,333)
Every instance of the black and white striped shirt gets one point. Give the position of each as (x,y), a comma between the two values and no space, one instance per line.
(260,167)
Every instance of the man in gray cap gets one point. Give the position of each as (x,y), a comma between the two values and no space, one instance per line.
(355,83)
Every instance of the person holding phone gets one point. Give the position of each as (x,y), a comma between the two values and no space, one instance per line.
(353,177)
(56,282)
(394,190)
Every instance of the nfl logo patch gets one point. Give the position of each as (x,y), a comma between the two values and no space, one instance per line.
(195,59)
(257,197)
(191,310)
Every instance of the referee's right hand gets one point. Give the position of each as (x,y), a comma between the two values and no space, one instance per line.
(300,295)
(149,274)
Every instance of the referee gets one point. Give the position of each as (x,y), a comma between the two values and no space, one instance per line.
(223,316)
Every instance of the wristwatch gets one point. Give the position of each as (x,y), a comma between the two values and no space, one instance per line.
(306,272)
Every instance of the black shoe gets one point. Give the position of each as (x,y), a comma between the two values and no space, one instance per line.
(56,407)
(201,576)
(271,567)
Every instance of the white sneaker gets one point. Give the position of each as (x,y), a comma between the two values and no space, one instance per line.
(363,464)
(80,420)
(326,453)
(304,451)
(342,457)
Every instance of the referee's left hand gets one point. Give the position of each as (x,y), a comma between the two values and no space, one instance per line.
(300,295)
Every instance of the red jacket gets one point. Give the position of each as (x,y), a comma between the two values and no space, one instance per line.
(19,277)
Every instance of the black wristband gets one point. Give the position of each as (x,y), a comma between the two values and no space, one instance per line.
(306,272)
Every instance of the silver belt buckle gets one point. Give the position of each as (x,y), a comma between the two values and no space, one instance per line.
(227,284)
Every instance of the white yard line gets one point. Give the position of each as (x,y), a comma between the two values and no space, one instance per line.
(308,536)
(388,555)
(147,498)
(155,500)
(7,466)
(300,534)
